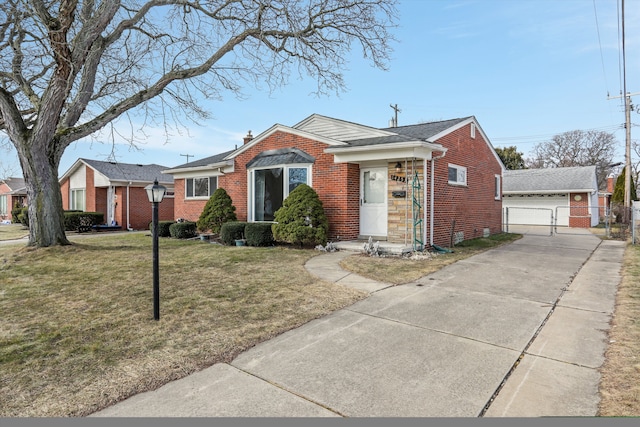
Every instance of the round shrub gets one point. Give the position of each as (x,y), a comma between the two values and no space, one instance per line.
(23,217)
(182,230)
(218,210)
(301,219)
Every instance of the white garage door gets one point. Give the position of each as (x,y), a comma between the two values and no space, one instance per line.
(536,210)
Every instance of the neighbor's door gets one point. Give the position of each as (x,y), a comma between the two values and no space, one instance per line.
(373,202)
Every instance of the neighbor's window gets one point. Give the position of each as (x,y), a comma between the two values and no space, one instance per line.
(457,175)
(271,186)
(200,187)
(3,205)
(496,193)
(77,202)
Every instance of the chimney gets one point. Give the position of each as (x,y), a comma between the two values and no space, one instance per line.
(248,138)
(610,183)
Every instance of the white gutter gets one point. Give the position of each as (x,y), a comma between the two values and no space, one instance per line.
(128,222)
(431,210)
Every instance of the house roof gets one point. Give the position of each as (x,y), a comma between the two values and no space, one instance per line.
(205,162)
(550,180)
(427,130)
(280,157)
(16,185)
(114,171)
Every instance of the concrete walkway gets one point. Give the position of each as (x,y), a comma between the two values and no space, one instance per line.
(517,331)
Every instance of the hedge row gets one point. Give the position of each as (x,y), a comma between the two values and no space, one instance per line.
(255,233)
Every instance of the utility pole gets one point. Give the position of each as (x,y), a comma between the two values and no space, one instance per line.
(396,110)
(187,156)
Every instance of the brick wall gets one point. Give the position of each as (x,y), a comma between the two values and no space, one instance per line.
(337,185)
(90,191)
(64,189)
(466,209)
(579,215)
(140,209)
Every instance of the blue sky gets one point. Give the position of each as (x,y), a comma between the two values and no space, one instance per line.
(527,69)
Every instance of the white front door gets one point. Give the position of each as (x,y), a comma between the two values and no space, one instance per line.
(373,202)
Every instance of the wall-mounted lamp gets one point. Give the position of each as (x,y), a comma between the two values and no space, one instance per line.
(398,167)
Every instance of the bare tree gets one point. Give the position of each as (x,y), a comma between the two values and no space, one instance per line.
(68,68)
(577,148)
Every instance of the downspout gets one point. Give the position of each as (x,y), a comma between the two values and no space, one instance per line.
(431,198)
(128,222)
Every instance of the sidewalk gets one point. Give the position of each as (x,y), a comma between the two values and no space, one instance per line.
(518,331)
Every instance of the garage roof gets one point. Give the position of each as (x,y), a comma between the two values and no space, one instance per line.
(550,180)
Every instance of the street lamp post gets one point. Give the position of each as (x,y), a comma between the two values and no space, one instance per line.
(155,193)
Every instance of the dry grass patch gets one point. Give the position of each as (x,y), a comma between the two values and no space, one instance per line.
(620,382)
(13,231)
(77,331)
(401,270)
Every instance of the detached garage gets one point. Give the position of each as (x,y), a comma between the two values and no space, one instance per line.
(565,197)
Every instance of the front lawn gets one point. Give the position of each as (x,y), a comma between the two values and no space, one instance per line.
(77,331)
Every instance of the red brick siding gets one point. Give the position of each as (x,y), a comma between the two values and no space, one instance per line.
(471,208)
(337,185)
(64,189)
(579,215)
(12,199)
(140,209)
(90,191)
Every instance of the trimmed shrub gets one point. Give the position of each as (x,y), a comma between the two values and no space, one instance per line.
(81,221)
(163,228)
(23,217)
(259,234)
(218,210)
(15,213)
(182,230)
(301,219)
(232,231)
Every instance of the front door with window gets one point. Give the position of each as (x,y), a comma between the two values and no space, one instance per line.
(373,202)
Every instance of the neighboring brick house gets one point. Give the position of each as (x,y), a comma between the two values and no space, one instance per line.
(13,191)
(553,196)
(117,190)
(418,185)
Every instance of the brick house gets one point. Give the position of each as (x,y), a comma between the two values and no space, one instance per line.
(565,197)
(12,192)
(117,190)
(421,184)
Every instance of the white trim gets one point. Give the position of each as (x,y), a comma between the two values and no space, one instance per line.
(384,152)
(458,169)
(286,129)
(285,183)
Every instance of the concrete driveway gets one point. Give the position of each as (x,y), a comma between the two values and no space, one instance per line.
(517,331)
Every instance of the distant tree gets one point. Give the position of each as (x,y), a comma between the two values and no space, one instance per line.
(618,190)
(218,210)
(511,157)
(69,68)
(577,148)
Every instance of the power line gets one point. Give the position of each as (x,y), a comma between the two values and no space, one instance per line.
(604,73)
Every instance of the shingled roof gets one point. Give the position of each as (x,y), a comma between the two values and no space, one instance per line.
(548,180)
(16,185)
(130,172)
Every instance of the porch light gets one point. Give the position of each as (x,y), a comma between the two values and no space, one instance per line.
(155,193)
(398,167)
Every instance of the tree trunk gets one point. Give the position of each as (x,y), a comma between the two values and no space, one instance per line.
(46,217)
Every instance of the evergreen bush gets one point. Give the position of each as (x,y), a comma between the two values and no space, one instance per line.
(232,231)
(259,234)
(182,230)
(301,219)
(163,228)
(79,220)
(218,210)
(23,217)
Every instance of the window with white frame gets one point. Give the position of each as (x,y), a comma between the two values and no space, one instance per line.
(496,193)
(457,175)
(200,188)
(271,186)
(3,206)
(77,202)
